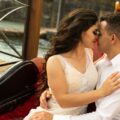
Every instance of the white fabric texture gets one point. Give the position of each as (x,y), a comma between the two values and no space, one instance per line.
(108,108)
(77,82)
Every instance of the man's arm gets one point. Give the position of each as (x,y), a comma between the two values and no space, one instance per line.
(88,116)
(106,110)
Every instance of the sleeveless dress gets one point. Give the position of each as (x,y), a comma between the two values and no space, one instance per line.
(77,82)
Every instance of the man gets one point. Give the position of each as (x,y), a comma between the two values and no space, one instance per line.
(107,108)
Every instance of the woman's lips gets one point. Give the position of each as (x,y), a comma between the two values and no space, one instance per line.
(96,42)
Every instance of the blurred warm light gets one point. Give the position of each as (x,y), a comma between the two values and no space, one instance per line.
(117,6)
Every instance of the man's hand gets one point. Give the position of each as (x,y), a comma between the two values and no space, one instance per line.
(42,116)
(43,99)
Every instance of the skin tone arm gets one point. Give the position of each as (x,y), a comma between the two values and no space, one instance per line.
(59,87)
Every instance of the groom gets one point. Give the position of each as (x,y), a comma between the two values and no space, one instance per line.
(107,108)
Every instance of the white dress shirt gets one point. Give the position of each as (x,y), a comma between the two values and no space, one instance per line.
(108,108)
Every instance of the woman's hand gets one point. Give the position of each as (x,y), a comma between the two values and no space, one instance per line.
(111,84)
(44,98)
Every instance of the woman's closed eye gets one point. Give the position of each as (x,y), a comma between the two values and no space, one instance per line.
(97,32)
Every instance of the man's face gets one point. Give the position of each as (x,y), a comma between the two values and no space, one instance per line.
(104,39)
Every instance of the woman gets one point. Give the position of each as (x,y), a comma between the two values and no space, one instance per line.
(69,65)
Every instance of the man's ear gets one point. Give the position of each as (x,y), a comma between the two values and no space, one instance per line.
(113,38)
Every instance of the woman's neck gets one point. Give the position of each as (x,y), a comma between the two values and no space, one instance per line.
(78,52)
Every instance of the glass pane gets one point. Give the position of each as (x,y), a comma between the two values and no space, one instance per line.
(12,23)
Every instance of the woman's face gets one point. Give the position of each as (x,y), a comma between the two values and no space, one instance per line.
(89,37)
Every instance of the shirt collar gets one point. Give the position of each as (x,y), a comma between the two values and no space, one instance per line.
(113,62)
(116,60)
(107,61)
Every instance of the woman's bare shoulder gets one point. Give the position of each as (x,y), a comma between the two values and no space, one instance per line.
(54,62)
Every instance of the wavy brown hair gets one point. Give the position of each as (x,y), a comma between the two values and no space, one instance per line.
(69,34)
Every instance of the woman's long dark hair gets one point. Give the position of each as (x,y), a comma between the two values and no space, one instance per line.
(69,34)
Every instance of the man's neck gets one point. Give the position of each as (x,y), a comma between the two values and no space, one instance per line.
(113,53)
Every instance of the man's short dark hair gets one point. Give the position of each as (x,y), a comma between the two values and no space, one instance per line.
(113,23)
